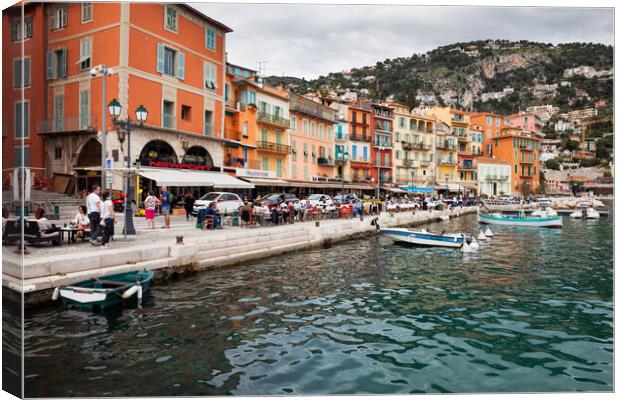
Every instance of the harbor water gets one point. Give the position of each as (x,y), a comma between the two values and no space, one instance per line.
(531,311)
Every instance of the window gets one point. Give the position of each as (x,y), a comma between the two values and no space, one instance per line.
(22,111)
(58,17)
(186,112)
(515,168)
(210,38)
(115,155)
(313,128)
(56,63)
(210,76)
(294,151)
(279,167)
(265,163)
(18,157)
(330,132)
(294,170)
(305,127)
(168,115)
(58,153)
(496,121)
(170,61)
(264,135)
(87,12)
(306,152)
(489,120)
(305,172)
(85,53)
(314,153)
(17,73)
(170,18)
(17,33)
(294,124)
(354,152)
(247,97)
(59,112)
(208,123)
(321,130)
(84,109)
(244,129)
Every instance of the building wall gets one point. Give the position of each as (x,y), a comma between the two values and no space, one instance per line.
(491,126)
(306,167)
(360,135)
(525,162)
(494,178)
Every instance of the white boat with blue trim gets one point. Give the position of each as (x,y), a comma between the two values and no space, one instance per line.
(424,237)
(520,220)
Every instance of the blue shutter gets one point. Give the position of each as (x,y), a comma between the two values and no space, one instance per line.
(63,63)
(160,58)
(181,66)
(50,67)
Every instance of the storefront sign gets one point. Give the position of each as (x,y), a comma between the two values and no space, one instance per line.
(255,173)
(166,164)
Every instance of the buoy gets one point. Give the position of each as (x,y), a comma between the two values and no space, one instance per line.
(474,245)
(465,248)
(488,232)
(131,291)
(56,294)
(481,236)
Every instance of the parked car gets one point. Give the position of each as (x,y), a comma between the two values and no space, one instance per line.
(277,198)
(226,202)
(346,198)
(320,199)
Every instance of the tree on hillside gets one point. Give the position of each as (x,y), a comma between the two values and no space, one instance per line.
(552,164)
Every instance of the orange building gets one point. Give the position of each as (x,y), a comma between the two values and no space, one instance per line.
(168,57)
(360,136)
(521,149)
(491,126)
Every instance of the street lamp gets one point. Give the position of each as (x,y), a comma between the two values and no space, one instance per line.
(344,158)
(413,171)
(123,126)
(105,72)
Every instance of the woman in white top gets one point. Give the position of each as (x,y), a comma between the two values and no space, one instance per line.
(150,204)
(107,218)
(81,220)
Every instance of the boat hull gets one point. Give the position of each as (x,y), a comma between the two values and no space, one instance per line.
(105,292)
(423,239)
(541,222)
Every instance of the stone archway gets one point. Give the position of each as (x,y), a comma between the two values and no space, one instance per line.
(198,155)
(89,155)
(157,151)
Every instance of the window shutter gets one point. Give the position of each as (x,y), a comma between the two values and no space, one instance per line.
(181,66)
(26,72)
(214,76)
(160,58)
(64,17)
(63,63)
(16,73)
(53,20)
(50,68)
(26,111)
(18,120)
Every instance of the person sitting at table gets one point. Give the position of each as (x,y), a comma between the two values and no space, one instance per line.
(81,221)
(5,216)
(275,214)
(211,213)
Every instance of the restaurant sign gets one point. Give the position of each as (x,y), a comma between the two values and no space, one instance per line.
(255,173)
(167,164)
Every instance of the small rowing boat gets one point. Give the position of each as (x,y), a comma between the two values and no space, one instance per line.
(424,237)
(106,291)
(520,220)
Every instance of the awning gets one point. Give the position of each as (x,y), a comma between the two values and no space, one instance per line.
(394,190)
(418,189)
(187,177)
(452,187)
(265,181)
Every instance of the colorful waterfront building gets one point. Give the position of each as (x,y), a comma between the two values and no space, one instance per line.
(312,140)
(382,144)
(273,136)
(342,140)
(494,176)
(470,148)
(170,58)
(521,149)
(446,145)
(360,137)
(527,121)
(491,125)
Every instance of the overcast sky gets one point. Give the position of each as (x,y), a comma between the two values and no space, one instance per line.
(312,40)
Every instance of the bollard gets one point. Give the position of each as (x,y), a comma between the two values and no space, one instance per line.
(179,239)
(361,216)
(317,223)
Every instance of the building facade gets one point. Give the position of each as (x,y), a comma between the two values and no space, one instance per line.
(494,177)
(360,137)
(382,144)
(522,150)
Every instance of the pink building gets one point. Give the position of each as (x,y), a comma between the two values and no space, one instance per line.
(526,121)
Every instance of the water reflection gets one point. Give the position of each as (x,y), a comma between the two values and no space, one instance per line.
(530,311)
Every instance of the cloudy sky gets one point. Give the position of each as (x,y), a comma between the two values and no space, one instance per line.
(312,40)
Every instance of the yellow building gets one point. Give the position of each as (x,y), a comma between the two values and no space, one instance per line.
(451,123)
(273,143)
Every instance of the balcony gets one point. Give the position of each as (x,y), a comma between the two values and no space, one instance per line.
(362,179)
(384,164)
(446,162)
(382,143)
(360,160)
(407,162)
(414,146)
(308,107)
(340,137)
(360,138)
(271,119)
(341,160)
(75,123)
(425,163)
(468,166)
(496,177)
(525,147)
(445,145)
(527,162)
(237,162)
(273,147)
(327,161)
(386,178)
(232,134)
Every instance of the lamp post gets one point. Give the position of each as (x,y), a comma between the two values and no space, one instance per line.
(105,72)
(121,126)
(344,159)
(379,149)
(413,171)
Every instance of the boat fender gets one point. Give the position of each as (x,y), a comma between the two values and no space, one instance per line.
(481,236)
(56,294)
(488,233)
(139,292)
(474,245)
(130,292)
(465,248)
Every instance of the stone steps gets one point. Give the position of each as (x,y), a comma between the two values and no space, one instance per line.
(261,243)
(233,241)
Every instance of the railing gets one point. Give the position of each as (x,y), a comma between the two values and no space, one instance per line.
(275,147)
(67,124)
(467,166)
(414,146)
(272,119)
(361,159)
(496,177)
(309,107)
(382,143)
(384,164)
(340,136)
(407,162)
(362,179)
(360,138)
(325,161)
(447,162)
(341,160)
(232,134)
(425,163)
(525,147)
(237,162)
(386,178)
(446,145)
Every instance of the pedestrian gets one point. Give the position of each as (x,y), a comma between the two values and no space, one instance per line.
(166,199)
(188,204)
(245,210)
(150,204)
(107,217)
(93,207)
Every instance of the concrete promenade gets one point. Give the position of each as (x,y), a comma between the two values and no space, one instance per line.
(47,267)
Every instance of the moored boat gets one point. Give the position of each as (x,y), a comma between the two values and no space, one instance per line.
(424,237)
(586,212)
(520,220)
(106,291)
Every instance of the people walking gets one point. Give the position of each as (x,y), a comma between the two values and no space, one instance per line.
(166,200)
(150,204)
(188,204)
(107,217)
(93,207)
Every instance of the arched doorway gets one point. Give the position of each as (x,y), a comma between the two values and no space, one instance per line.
(198,155)
(88,165)
(157,151)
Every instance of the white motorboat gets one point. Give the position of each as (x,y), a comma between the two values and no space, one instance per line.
(520,220)
(424,237)
(585,213)
(544,213)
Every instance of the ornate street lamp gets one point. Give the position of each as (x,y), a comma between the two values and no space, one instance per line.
(124,127)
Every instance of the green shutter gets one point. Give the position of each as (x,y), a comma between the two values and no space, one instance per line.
(160,58)
(63,63)
(50,68)
(181,66)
